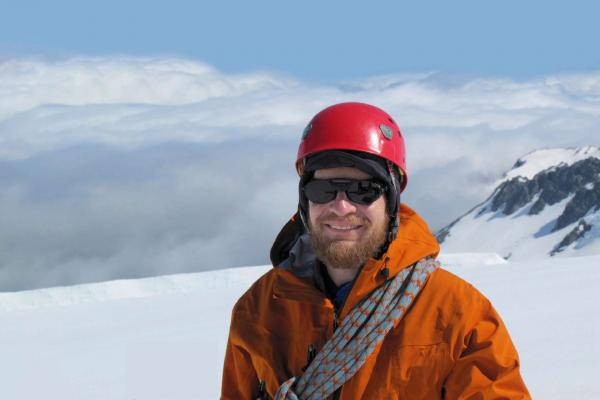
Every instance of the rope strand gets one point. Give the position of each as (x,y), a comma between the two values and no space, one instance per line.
(358,336)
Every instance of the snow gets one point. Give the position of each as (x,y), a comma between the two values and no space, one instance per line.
(164,337)
(127,289)
(553,315)
(540,160)
(163,340)
(518,236)
(471,259)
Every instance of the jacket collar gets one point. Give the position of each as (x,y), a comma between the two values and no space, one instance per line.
(295,279)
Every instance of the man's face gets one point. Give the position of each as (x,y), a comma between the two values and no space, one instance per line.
(345,234)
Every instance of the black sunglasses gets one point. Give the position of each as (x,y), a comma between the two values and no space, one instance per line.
(363,192)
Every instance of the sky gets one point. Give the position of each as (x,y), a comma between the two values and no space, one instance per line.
(316,40)
(140,141)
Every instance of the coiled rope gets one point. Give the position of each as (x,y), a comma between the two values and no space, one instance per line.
(358,335)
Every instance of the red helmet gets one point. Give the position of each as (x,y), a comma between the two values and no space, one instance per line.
(358,127)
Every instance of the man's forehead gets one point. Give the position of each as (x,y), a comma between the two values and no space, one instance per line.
(341,172)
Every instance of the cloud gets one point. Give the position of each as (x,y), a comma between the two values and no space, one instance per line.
(125,167)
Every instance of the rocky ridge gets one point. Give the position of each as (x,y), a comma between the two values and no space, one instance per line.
(571,184)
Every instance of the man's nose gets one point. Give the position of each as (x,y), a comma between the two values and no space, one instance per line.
(341,205)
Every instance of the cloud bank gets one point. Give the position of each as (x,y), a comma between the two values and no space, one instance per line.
(127,167)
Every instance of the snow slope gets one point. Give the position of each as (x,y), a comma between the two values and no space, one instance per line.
(164,338)
(520,219)
(514,237)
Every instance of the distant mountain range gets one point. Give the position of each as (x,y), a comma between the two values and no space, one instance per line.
(548,204)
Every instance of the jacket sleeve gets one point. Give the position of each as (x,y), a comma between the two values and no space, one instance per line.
(487,363)
(239,378)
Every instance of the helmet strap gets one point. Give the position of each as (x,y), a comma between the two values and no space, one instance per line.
(303,217)
(393,208)
(302,200)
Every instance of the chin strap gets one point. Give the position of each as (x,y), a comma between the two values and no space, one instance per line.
(393,229)
(302,201)
(393,209)
(303,219)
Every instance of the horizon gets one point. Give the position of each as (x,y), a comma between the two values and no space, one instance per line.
(131,131)
(129,167)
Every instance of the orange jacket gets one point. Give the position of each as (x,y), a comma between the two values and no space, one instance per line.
(450,345)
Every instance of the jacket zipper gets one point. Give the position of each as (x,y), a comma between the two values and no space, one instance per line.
(262,391)
(312,353)
(336,315)
(335,319)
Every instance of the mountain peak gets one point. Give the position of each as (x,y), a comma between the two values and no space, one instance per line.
(548,203)
(540,160)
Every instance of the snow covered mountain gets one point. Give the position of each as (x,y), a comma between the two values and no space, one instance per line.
(164,338)
(548,204)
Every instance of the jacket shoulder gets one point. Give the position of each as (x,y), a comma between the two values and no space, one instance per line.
(485,361)
(260,291)
(453,306)
(452,287)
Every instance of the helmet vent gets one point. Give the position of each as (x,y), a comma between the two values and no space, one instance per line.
(388,133)
(306,130)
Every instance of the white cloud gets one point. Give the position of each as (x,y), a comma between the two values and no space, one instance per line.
(113,167)
(27,83)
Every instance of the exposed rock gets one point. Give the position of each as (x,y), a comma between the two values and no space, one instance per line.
(575,185)
(513,195)
(584,201)
(520,162)
(577,233)
(442,234)
(550,187)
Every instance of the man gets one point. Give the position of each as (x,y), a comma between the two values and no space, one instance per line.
(356,306)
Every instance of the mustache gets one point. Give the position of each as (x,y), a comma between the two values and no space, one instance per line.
(351,219)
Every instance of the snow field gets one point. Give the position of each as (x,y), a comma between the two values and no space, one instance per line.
(164,337)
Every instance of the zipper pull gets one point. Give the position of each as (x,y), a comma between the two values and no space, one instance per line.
(262,391)
(335,320)
(312,352)
(385,271)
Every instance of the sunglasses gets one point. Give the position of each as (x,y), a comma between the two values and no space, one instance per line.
(363,192)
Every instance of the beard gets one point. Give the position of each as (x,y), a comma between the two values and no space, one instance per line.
(347,254)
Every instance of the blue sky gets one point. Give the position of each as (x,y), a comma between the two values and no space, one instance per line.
(318,40)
